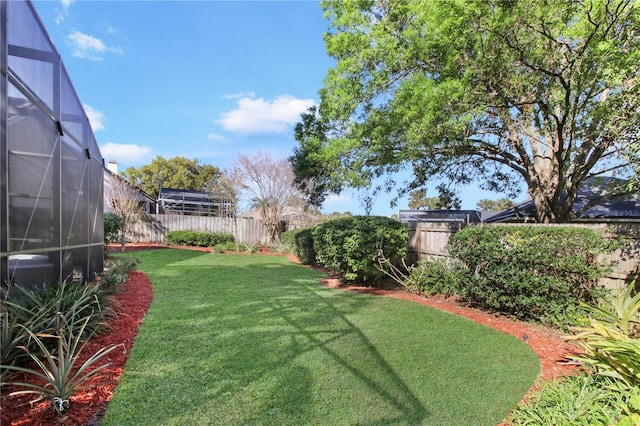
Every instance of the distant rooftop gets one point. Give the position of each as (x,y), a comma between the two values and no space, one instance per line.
(194,203)
(620,207)
(461,216)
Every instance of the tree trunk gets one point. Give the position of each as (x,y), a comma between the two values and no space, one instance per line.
(545,186)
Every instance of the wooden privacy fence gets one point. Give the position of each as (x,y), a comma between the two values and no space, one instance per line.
(430,240)
(153,228)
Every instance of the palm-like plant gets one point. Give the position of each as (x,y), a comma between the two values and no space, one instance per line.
(610,342)
(13,319)
(58,368)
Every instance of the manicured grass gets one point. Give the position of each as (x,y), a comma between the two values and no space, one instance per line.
(253,339)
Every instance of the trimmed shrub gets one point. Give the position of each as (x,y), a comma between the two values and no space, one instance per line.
(436,276)
(537,273)
(112,227)
(289,241)
(350,245)
(300,243)
(198,239)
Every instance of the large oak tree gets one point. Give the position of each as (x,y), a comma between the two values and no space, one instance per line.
(543,92)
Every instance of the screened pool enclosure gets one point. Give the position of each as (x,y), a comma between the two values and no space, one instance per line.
(51,169)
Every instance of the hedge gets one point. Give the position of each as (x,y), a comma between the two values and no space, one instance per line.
(350,245)
(531,272)
(199,239)
(300,243)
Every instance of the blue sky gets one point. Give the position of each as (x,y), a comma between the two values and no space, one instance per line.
(200,79)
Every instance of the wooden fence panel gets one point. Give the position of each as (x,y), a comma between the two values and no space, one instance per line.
(429,240)
(154,227)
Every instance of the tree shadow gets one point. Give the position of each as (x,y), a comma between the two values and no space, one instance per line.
(264,343)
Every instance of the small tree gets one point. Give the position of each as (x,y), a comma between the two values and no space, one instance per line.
(268,183)
(125,201)
(112,225)
(446,199)
(501,204)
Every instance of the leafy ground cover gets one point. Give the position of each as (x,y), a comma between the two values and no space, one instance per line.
(241,339)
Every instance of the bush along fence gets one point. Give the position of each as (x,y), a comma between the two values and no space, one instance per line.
(429,241)
(153,228)
(537,273)
(349,245)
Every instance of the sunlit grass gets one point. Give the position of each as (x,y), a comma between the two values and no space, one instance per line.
(253,339)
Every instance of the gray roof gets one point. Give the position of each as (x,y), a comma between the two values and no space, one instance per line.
(620,207)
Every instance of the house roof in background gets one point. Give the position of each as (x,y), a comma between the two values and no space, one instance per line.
(462,216)
(183,194)
(621,207)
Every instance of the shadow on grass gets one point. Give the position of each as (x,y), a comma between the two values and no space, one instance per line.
(257,340)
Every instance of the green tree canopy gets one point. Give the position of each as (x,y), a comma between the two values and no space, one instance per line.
(633,155)
(447,200)
(501,204)
(418,200)
(538,92)
(176,172)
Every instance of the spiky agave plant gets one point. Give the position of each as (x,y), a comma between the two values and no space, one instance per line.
(58,369)
(610,342)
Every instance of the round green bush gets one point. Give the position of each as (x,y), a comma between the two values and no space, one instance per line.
(536,272)
(300,243)
(351,244)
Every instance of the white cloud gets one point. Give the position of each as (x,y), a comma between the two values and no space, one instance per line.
(125,153)
(62,14)
(247,94)
(89,47)
(96,118)
(338,199)
(215,137)
(254,116)
(110,29)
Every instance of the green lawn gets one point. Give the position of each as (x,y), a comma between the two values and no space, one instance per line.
(253,339)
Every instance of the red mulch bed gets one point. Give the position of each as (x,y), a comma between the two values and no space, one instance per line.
(131,304)
(88,406)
